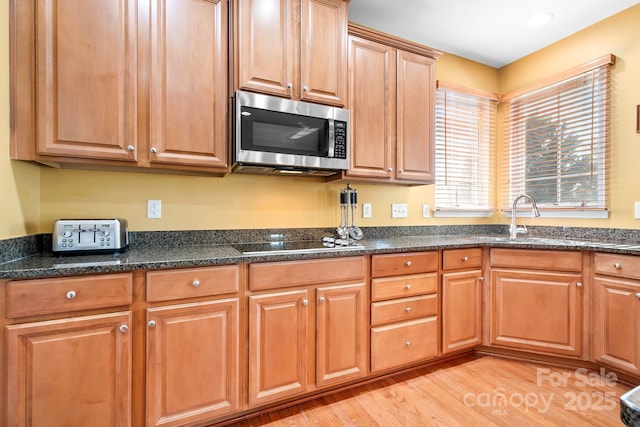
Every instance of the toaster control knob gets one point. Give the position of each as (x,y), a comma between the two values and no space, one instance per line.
(67,234)
(106,233)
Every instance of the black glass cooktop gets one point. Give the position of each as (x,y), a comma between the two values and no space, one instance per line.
(302,246)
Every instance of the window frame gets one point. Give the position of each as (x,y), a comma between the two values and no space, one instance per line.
(557,86)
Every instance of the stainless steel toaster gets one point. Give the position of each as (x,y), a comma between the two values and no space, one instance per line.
(76,236)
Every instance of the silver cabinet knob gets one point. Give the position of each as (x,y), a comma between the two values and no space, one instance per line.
(408,263)
(390,170)
(638,295)
(195,283)
(154,150)
(616,265)
(289,85)
(400,171)
(407,343)
(579,284)
(465,258)
(305,88)
(408,309)
(481,278)
(130,148)
(71,294)
(408,287)
(305,302)
(124,328)
(321,299)
(151,324)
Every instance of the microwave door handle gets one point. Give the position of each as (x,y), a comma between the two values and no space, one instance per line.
(332,138)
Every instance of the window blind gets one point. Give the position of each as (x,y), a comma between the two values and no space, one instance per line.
(465,148)
(558,142)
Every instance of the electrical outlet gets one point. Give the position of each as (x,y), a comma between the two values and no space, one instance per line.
(154,208)
(398,210)
(637,209)
(366,210)
(426,211)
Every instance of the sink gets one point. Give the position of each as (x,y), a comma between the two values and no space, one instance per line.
(630,407)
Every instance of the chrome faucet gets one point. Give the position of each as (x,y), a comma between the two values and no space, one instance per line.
(513,229)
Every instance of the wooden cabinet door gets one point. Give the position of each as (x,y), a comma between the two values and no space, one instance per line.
(415,131)
(323,51)
(278,348)
(264,46)
(71,372)
(534,310)
(372,104)
(86,78)
(341,329)
(192,362)
(616,320)
(188,89)
(461,310)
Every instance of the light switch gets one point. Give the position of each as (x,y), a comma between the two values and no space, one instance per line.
(637,215)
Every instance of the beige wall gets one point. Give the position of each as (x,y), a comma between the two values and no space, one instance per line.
(19,182)
(617,35)
(33,197)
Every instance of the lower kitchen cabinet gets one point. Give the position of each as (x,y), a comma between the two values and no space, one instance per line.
(536,300)
(341,328)
(278,347)
(461,299)
(616,312)
(404,310)
(320,328)
(192,362)
(72,372)
(192,348)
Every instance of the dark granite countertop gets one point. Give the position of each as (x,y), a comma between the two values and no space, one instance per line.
(167,255)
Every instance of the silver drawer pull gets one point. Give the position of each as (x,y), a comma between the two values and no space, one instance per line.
(71,294)
(408,263)
(196,283)
(579,284)
(124,328)
(408,309)
(407,343)
(465,258)
(321,299)
(638,295)
(151,324)
(616,265)
(305,302)
(408,287)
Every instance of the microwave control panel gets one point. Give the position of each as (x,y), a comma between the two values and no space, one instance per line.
(340,147)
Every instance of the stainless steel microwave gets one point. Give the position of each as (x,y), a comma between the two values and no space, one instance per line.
(280,136)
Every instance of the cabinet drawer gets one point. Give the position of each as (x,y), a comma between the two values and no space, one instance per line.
(617,265)
(404,263)
(403,343)
(59,295)
(537,259)
(192,282)
(403,309)
(273,275)
(461,258)
(404,286)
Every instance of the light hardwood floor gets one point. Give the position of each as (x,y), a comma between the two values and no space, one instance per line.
(472,391)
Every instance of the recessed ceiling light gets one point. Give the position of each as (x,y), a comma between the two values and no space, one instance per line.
(539,20)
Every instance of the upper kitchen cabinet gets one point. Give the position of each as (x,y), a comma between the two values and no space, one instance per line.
(188,80)
(392,104)
(140,84)
(74,79)
(292,48)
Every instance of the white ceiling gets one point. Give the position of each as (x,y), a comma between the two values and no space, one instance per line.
(491,32)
